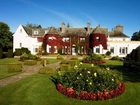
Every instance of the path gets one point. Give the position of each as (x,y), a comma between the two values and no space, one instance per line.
(27,71)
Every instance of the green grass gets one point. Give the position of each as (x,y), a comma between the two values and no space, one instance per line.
(40,90)
(52,60)
(9,60)
(4,70)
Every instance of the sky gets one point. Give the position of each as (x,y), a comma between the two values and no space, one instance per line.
(106,13)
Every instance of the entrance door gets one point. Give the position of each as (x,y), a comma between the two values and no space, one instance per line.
(73,51)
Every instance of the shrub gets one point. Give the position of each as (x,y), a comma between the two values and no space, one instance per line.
(74,58)
(60,57)
(14,67)
(44,62)
(30,62)
(18,52)
(26,56)
(47,70)
(94,58)
(115,58)
(25,50)
(72,62)
(10,53)
(64,67)
(1,53)
(108,53)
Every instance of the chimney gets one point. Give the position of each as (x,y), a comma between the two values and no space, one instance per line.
(119,28)
(63,27)
(88,27)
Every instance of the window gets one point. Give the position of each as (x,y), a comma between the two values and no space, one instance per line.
(123,50)
(97,50)
(97,39)
(51,38)
(112,49)
(20,30)
(20,44)
(35,32)
(66,39)
(46,31)
(82,39)
(36,49)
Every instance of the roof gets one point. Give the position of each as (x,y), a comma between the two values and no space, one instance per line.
(99,29)
(118,35)
(30,31)
(75,31)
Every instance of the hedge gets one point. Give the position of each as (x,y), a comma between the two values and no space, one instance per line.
(11,67)
(30,62)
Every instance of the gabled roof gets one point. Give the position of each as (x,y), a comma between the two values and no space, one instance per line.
(75,31)
(53,30)
(30,31)
(118,34)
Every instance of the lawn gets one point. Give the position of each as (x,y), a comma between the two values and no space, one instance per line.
(3,67)
(40,90)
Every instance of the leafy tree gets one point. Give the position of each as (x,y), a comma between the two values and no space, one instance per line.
(136,36)
(5,36)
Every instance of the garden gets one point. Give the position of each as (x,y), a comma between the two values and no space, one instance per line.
(76,82)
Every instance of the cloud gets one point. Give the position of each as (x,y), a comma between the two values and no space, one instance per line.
(76,22)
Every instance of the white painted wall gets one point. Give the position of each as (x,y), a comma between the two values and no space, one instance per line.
(20,36)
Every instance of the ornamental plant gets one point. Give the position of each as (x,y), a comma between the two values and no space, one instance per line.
(91,83)
(94,58)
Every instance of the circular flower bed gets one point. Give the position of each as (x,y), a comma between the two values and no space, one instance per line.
(91,83)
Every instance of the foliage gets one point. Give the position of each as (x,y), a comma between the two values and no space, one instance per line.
(94,58)
(30,62)
(136,36)
(21,51)
(60,57)
(108,53)
(115,58)
(47,70)
(5,36)
(10,53)
(92,79)
(26,56)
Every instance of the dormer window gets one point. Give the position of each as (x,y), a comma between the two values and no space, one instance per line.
(46,31)
(97,39)
(35,32)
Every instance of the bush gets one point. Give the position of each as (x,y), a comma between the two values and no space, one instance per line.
(44,62)
(18,52)
(94,58)
(72,62)
(64,67)
(115,58)
(47,70)
(11,67)
(1,53)
(26,56)
(10,53)
(30,62)
(108,53)
(60,57)
(14,67)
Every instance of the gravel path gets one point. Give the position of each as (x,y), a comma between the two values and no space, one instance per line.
(27,71)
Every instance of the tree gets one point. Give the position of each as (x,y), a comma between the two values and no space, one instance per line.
(136,36)
(5,37)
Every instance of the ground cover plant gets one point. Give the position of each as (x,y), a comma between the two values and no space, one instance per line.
(90,83)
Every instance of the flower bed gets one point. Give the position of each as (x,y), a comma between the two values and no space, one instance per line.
(84,95)
(90,83)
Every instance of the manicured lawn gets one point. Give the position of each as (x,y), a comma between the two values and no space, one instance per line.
(3,68)
(52,60)
(9,60)
(40,90)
